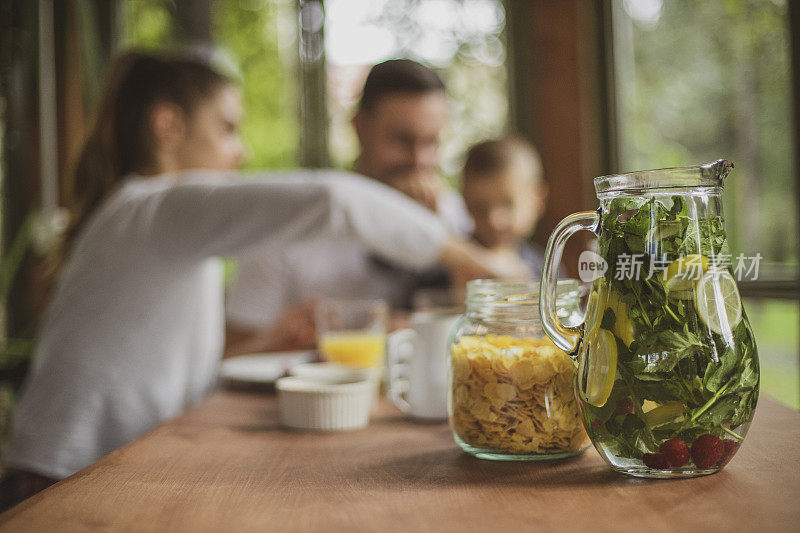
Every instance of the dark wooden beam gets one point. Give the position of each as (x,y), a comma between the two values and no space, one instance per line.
(521,93)
(560,97)
(70,89)
(193,22)
(606,99)
(20,171)
(109,25)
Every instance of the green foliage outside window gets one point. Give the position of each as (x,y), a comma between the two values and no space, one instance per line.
(148,23)
(708,80)
(252,38)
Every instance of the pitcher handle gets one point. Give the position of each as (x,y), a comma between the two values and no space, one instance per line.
(567,338)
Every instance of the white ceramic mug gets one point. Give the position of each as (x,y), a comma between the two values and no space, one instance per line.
(417,362)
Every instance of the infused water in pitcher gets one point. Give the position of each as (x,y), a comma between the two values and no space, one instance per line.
(668,373)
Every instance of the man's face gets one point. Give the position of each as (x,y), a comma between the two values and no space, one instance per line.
(400,135)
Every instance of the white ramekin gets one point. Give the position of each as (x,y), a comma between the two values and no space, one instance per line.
(333,371)
(325,404)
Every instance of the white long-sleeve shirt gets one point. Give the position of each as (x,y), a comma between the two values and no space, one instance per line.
(269,282)
(136,327)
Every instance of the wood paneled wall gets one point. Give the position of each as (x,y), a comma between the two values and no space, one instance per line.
(560,102)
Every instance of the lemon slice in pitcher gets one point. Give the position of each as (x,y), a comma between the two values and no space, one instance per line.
(717,301)
(595,308)
(682,274)
(623,326)
(598,368)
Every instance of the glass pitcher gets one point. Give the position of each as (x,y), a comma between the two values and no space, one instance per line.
(668,372)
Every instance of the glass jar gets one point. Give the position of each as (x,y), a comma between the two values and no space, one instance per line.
(510,388)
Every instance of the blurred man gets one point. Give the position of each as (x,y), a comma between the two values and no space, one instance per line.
(400,116)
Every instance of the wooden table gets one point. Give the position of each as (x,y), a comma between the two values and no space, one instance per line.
(226,465)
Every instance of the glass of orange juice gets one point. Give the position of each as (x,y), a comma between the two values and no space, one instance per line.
(352,332)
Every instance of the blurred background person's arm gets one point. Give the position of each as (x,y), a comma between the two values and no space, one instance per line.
(295,329)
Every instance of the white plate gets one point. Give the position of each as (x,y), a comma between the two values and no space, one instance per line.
(262,367)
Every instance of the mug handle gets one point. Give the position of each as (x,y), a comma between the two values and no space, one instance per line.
(399,351)
(568,338)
